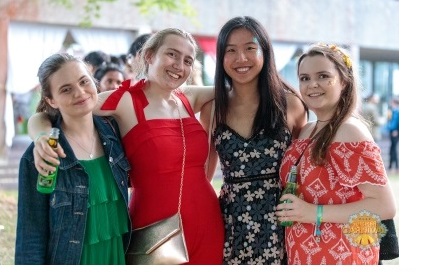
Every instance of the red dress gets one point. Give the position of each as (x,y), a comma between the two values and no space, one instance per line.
(154,149)
(347,166)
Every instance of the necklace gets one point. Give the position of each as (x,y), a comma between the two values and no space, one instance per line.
(91,154)
(324,120)
(315,127)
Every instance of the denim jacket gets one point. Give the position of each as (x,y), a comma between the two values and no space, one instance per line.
(51,227)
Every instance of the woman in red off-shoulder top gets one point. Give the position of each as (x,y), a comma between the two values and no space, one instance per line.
(343,190)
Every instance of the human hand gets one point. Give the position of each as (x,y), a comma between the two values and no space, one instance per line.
(45,157)
(297,210)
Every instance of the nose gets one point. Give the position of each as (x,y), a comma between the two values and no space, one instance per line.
(241,56)
(178,64)
(314,84)
(80,90)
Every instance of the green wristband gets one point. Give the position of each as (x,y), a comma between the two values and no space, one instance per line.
(319,215)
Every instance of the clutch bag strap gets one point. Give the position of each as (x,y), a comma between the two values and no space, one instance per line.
(184,155)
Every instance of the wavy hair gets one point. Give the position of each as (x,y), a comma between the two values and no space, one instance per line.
(347,105)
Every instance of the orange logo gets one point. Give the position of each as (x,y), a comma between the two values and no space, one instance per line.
(364,229)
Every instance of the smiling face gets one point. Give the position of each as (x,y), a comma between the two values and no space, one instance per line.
(73,90)
(320,85)
(171,65)
(243,60)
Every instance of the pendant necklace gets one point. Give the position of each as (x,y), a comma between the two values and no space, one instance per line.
(91,154)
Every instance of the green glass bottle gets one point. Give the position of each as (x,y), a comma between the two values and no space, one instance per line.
(290,189)
(46,184)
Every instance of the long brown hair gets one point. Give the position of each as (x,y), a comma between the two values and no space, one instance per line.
(347,105)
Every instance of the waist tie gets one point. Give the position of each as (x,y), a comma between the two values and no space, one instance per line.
(234,180)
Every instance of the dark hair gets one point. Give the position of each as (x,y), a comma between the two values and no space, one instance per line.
(271,113)
(347,105)
(96,58)
(138,43)
(105,68)
(48,67)
(117,60)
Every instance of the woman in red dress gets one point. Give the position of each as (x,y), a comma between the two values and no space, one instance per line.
(343,190)
(151,115)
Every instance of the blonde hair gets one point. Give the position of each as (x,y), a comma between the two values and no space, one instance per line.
(154,43)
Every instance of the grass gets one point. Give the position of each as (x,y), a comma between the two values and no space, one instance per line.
(8,210)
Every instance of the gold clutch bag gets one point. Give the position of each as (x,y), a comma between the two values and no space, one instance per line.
(162,242)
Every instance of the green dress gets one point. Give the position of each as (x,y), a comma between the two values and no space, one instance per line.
(107,217)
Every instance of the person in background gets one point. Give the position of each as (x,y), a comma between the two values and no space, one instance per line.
(118,61)
(85,219)
(151,115)
(256,117)
(134,55)
(370,111)
(109,76)
(196,77)
(393,128)
(340,169)
(94,59)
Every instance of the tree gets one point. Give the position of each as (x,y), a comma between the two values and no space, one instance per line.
(92,7)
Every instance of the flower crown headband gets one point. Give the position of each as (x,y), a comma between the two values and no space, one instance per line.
(346,58)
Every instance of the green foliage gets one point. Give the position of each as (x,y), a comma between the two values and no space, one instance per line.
(92,8)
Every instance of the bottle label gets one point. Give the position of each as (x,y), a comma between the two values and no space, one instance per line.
(46,181)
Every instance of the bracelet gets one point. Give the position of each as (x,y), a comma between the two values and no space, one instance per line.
(319,214)
(40,135)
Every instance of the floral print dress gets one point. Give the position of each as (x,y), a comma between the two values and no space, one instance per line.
(249,195)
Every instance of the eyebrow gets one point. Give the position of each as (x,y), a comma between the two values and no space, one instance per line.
(179,52)
(247,43)
(68,84)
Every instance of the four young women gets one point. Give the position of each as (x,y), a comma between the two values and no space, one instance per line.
(256,117)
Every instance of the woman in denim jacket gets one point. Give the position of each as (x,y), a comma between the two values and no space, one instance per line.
(85,219)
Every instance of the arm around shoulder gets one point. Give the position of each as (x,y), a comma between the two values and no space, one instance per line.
(38,124)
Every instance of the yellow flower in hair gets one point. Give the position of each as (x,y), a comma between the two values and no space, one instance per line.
(345,57)
(347,61)
(333,47)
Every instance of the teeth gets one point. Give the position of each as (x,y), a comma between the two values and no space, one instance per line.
(175,76)
(242,69)
(315,94)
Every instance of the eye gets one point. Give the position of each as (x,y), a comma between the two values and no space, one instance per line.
(189,62)
(303,78)
(250,48)
(65,90)
(323,76)
(84,81)
(171,54)
(230,50)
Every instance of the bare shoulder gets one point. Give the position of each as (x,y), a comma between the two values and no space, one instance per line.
(353,130)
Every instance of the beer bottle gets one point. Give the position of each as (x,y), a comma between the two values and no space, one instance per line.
(46,183)
(290,189)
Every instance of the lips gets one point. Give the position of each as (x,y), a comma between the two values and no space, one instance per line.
(173,75)
(82,101)
(315,94)
(242,69)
